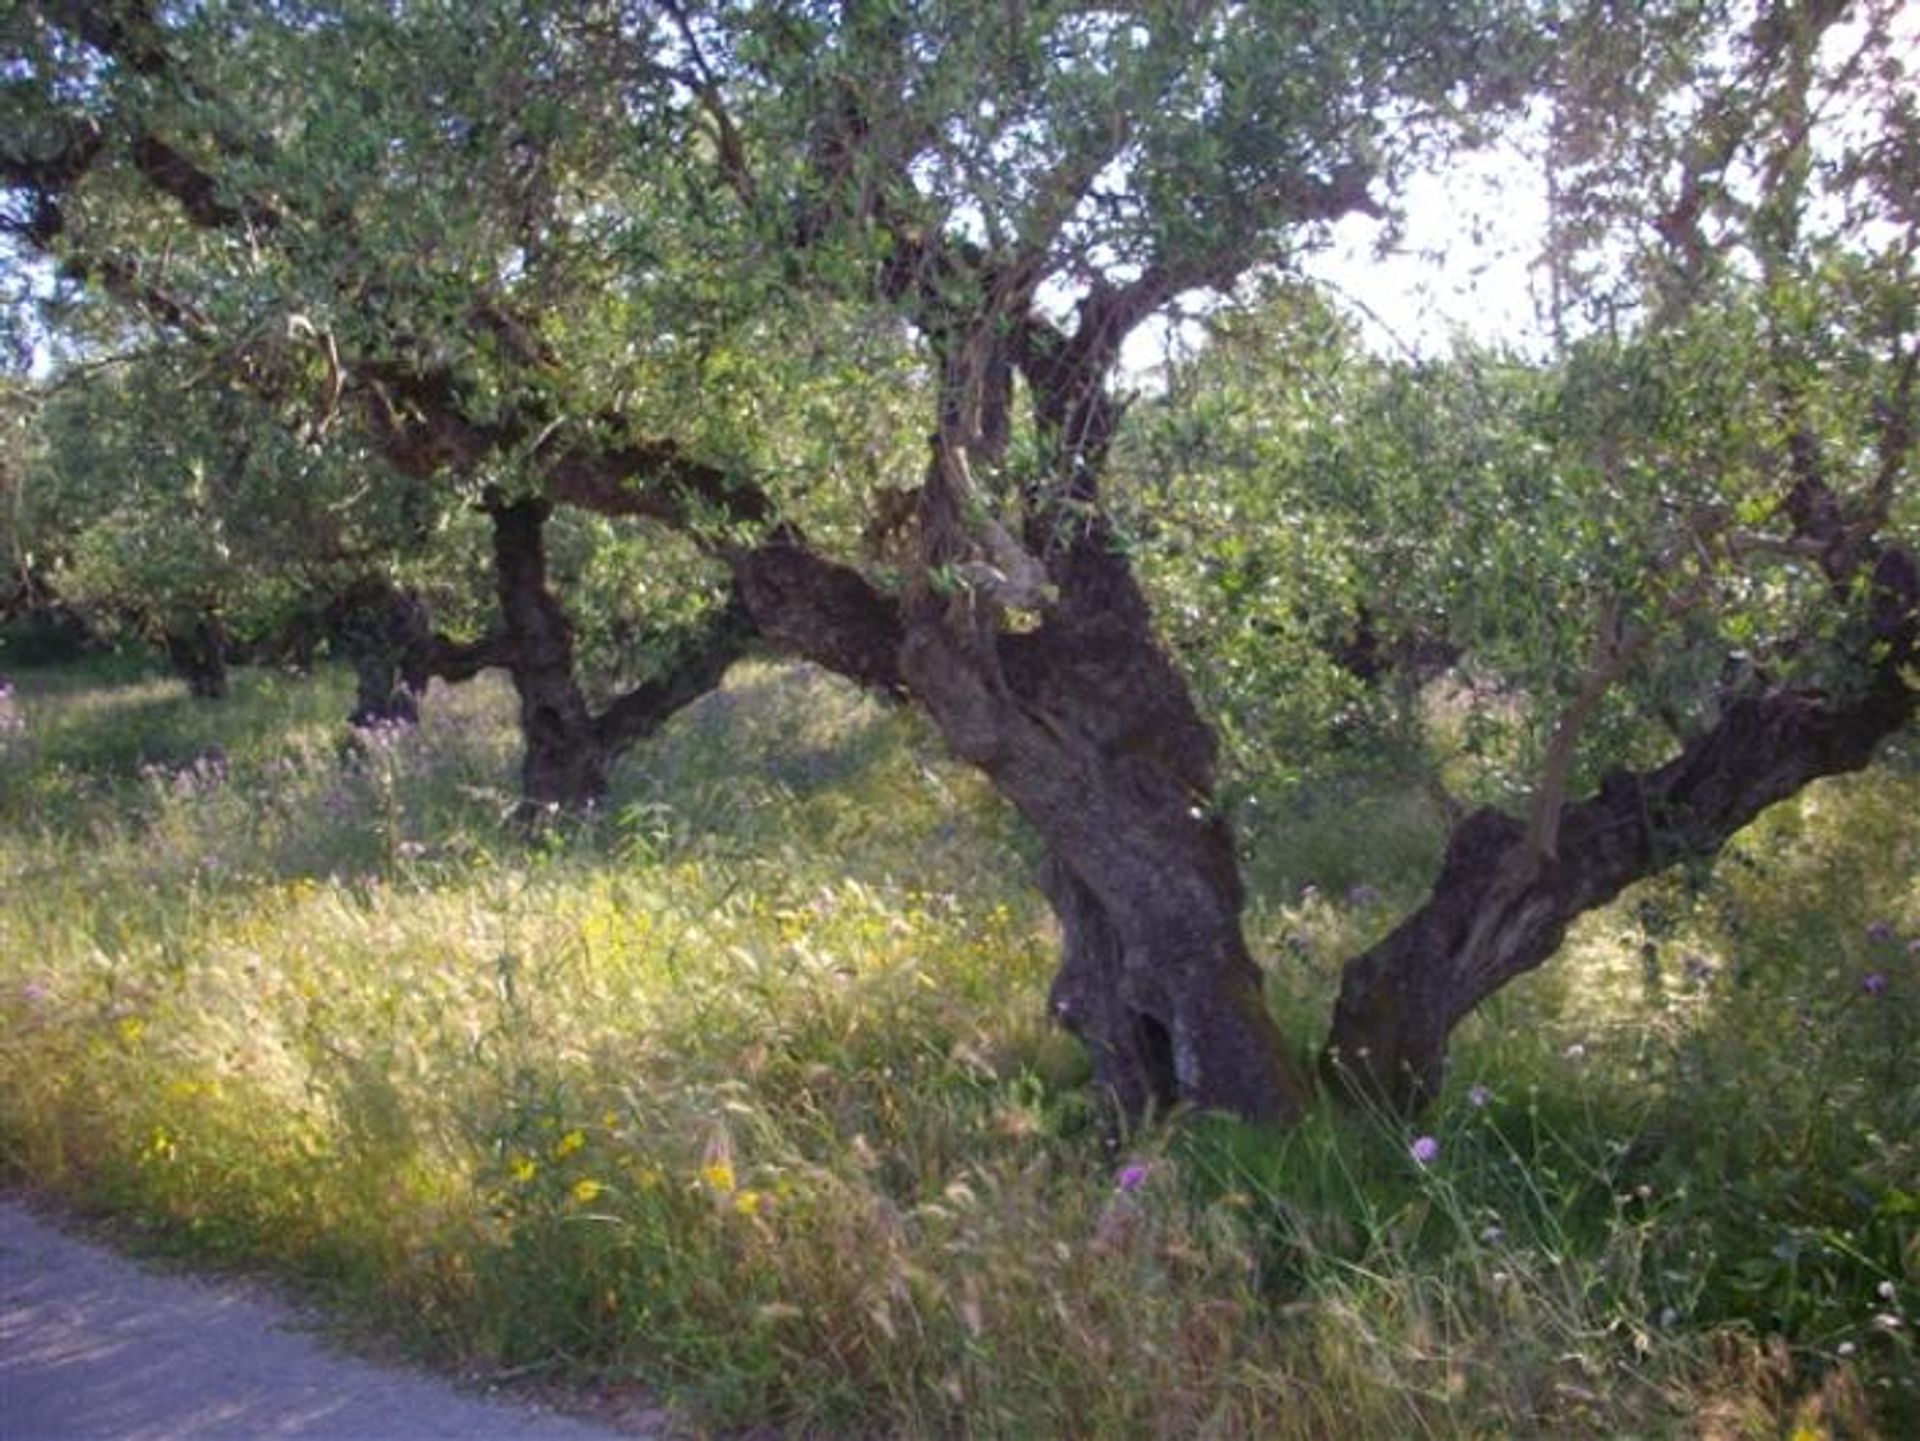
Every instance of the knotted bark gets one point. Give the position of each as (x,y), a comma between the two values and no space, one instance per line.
(1085,725)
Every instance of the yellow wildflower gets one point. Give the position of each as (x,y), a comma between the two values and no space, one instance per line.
(585,1191)
(747,1203)
(568,1144)
(718,1174)
(521,1168)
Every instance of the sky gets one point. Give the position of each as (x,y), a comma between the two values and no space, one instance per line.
(1466,265)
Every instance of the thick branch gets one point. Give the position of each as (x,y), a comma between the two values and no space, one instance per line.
(443,658)
(699,666)
(170,171)
(829,613)
(1500,908)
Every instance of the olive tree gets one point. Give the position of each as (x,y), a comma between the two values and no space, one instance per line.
(525,249)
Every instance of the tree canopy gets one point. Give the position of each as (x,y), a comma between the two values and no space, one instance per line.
(839,294)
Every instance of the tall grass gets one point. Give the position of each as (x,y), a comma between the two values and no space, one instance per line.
(743,1089)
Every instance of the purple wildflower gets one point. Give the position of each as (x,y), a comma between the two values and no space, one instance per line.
(1881,932)
(1873,982)
(1132,1176)
(1478,1096)
(1425,1150)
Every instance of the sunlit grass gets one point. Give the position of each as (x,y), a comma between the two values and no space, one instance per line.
(744,1089)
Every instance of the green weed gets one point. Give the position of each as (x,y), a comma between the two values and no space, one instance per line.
(744,1089)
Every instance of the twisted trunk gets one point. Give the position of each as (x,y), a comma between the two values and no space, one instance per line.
(1501,906)
(1085,725)
(1088,729)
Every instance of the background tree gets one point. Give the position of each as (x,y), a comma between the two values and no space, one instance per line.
(406,139)
(193,519)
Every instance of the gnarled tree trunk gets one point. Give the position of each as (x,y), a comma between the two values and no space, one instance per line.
(1087,728)
(1501,908)
(1085,725)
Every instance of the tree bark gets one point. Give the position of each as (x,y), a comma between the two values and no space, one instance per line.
(1501,907)
(564,766)
(381,630)
(1088,729)
(198,654)
(569,749)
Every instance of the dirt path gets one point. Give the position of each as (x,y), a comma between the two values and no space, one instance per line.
(93,1346)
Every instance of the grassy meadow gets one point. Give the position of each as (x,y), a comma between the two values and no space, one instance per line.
(744,1091)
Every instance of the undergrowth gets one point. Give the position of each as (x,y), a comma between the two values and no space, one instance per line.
(744,1089)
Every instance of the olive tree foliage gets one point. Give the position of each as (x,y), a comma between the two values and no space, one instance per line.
(23,590)
(197,521)
(839,291)
(1025,188)
(447,237)
(1259,492)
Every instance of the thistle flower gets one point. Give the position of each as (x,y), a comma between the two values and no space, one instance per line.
(1132,1176)
(1874,982)
(1425,1150)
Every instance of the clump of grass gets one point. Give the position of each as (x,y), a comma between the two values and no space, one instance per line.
(744,1089)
